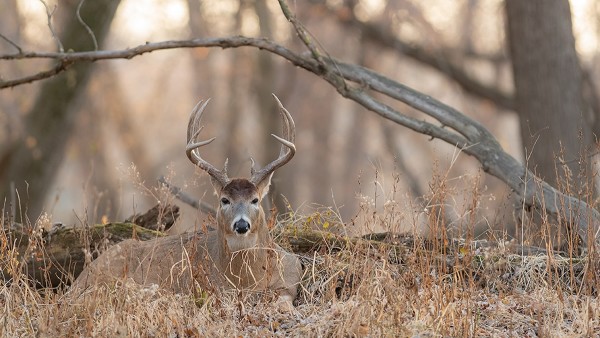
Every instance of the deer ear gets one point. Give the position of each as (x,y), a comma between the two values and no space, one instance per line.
(263,186)
(216,185)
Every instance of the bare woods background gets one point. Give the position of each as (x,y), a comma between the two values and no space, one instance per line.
(87,128)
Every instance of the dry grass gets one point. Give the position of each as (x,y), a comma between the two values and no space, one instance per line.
(357,289)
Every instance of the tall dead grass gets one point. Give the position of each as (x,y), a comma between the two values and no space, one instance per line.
(446,283)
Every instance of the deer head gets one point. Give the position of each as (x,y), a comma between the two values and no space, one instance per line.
(240,216)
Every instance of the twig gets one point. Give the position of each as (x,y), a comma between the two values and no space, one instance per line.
(302,33)
(51,27)
(59,68)
(129,53)
(11,43)
(307,39)
(187,199)
(85,25)
(13,203)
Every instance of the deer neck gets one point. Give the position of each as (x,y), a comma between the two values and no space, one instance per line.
(245,267)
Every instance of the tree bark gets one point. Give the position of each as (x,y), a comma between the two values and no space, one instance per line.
(268,111)
(57,258)
(34,159)
(548,83)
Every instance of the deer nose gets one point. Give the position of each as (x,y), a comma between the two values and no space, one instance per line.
(241,226)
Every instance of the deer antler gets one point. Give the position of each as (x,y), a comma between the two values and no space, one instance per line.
(191,149)
(288,149)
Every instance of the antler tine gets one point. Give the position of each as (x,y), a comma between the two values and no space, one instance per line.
(192,146)
(288,148)
(289,127)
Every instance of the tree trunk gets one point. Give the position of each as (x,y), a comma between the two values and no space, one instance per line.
(268,111)
(548,83)
(35,158)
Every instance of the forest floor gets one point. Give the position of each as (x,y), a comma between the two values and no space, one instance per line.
(353,287)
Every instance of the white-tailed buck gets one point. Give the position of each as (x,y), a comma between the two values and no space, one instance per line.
(239,254)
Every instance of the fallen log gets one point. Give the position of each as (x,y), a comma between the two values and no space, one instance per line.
(56,258)
(159,218)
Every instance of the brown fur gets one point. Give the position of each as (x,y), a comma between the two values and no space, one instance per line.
(190,261)
(194,260)
(240,254)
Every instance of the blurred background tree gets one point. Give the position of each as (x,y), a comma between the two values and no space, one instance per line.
(32,158)
(136,111)
(554,118)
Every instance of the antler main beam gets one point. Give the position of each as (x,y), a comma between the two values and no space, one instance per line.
(288,148)
(194,129)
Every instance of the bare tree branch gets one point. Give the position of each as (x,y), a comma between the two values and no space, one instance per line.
(68,58)
(354,82)
(303,34)
(187,199)
(12,43)
(128,53)
(436,60)
(59,68)
(49,14)
(85,25)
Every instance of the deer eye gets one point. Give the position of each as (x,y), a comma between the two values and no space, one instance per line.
(224,201)
(255,201)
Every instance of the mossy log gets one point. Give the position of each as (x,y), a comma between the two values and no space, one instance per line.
(51,258)
(57,257)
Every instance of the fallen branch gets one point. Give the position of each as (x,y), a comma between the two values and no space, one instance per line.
(160,217)
(187,199)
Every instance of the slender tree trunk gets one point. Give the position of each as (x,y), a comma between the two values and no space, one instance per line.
(548,83)
(34,160)
(265,85)
(10,27)
(114,116)
(234,105)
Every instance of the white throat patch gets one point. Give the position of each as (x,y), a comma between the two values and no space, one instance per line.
(241,242)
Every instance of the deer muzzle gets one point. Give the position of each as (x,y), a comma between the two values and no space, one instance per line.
(241,226)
